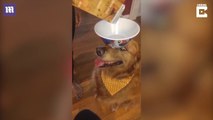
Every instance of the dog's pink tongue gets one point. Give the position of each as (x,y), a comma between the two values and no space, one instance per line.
(99,62)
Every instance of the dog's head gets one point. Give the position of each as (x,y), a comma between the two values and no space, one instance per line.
(117,60)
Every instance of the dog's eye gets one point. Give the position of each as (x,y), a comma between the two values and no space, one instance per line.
(123,49)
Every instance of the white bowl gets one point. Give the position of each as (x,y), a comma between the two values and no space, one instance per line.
(120,32)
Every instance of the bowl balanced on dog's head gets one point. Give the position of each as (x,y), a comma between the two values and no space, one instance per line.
(118,34)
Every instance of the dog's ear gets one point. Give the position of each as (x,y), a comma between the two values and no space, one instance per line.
(133,47)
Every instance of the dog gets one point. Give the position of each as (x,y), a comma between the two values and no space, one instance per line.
(119,64)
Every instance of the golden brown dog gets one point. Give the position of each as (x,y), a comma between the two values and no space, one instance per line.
(119,65)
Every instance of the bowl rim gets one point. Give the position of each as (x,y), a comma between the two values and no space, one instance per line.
(125,38)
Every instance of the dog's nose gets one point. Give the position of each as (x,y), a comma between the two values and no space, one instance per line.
(100,51)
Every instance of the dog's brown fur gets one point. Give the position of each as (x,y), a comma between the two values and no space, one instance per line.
(127,96)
